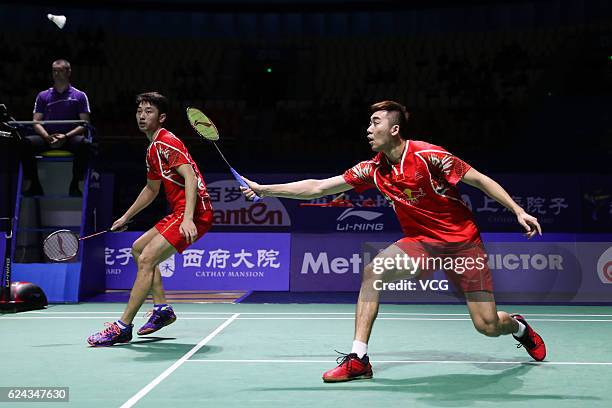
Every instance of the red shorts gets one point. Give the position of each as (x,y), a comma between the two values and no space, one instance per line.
(464,263)
(168,227)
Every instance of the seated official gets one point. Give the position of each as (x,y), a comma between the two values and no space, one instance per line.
(60,102)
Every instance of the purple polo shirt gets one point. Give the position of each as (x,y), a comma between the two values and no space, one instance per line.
(61,106)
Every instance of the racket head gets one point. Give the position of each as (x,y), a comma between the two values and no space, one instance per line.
(61,245)
(202,124)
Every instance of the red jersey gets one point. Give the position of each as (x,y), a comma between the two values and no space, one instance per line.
(422,190)
(164,155)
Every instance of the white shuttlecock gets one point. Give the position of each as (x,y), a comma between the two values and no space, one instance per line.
(59,21)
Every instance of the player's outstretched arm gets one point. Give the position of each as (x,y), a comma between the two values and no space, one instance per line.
(146,197)
(300,190)
(491,188)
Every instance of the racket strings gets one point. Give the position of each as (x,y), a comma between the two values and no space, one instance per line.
(202,124)
(207,129)
(61,245)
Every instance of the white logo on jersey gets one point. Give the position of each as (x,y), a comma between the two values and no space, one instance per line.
(439,168)
(362,171)
(165,152)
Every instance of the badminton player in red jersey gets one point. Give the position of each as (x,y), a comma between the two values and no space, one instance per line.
(419,179)
(168,164)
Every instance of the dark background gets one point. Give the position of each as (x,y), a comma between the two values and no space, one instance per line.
(512,87)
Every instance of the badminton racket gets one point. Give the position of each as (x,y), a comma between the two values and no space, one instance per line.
(207,129)
(63,244)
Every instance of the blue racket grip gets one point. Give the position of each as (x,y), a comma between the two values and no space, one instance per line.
(239,179)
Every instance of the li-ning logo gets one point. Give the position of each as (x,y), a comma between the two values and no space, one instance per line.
(366,215)
(60,244)
(197,122)
(356,226)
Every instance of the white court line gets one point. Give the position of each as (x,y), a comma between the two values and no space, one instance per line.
(413,319)
(410,362)
(100,317)
(330,313)
(129,403)
(299,318)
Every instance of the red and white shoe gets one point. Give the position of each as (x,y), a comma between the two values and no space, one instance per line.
(533,343)
(350,367)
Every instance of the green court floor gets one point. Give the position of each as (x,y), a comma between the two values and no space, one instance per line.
(243,355)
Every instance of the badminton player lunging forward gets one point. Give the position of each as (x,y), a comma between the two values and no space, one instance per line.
(168,163)
(419,179)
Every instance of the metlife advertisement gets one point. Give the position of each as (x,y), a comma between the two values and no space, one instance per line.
(558,269)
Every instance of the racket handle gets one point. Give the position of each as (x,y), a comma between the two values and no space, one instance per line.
(93,235)
(243,183)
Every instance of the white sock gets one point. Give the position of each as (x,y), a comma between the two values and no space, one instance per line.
(360,348)
(521,329)
(121,325)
